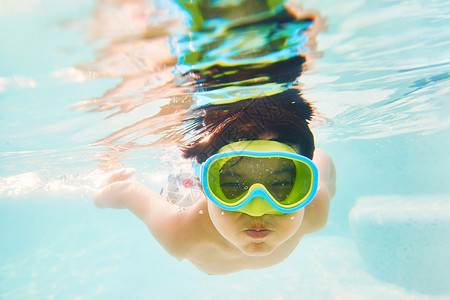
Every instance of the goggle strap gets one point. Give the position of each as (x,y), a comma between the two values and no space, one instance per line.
(197,169)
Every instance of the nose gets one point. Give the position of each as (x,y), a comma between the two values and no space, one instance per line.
(257,207)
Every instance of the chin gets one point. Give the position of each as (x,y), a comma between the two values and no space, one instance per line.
(258,249)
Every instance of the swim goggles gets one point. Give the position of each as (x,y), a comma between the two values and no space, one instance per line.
(258,178)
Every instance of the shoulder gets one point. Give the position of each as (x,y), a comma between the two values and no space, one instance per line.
(316,213)
(327,171)
(321,157)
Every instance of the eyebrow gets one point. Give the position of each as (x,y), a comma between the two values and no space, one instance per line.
(280,171)
(229,173)
(283,170)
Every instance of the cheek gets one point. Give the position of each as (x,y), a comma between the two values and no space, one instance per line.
(291,223)
(214,210)
(298,215)
(220,218)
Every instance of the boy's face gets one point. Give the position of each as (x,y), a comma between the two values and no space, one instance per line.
(260,235)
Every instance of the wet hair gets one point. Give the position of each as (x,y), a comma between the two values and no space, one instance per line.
(282,117)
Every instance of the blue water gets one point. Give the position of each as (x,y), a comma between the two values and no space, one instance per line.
(380,84)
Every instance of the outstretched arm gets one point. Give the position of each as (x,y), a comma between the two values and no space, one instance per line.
(121,192)
(167,223)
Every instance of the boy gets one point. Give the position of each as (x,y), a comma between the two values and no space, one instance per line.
(264,184)
(215,240)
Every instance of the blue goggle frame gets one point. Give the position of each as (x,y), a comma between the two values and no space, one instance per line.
(256,190)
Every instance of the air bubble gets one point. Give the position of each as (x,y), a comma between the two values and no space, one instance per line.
(292,218)
(201,212)
(222,213)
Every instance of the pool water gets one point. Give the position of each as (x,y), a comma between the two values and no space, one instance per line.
(380,87)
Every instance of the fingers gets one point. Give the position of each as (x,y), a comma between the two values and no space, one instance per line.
(106,194)
(119,175)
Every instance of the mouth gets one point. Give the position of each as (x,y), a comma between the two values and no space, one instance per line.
(257,233)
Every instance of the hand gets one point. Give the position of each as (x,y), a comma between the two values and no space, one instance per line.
(114,188)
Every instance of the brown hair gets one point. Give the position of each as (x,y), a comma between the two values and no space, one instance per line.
(282,117)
